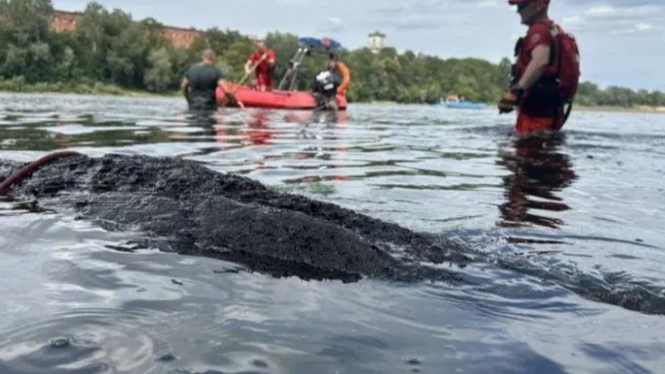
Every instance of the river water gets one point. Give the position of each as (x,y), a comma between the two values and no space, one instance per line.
(568,232)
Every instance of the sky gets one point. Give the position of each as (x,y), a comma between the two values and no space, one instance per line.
(622,42)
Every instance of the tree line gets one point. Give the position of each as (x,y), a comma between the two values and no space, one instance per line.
(110,49)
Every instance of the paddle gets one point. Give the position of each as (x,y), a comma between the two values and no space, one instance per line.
(265,55)
(231,95)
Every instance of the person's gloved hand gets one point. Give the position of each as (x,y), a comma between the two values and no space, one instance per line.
(511,99)
(508,103)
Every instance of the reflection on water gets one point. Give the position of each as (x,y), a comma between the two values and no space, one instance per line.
(539,170)
(73,303)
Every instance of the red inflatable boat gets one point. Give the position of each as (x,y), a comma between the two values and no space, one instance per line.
(252,98)
(285,97)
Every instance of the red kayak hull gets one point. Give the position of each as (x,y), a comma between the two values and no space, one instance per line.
(252,98)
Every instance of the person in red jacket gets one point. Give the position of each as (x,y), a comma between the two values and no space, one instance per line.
(534,91)
(263,61)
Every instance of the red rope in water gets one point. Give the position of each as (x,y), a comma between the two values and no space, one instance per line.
(32,167)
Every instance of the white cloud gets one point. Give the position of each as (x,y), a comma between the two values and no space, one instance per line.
(643,27)
(611,19)
(573,20)
(601,10)
(488,4)
(625,12)
(334,25)
(639,28)
(420,22)
(293,2)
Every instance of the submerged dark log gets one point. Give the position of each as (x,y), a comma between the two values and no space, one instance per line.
(185,207)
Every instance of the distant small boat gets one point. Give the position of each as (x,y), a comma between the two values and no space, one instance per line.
(464,104)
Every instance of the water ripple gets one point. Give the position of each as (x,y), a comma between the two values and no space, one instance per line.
(567,230)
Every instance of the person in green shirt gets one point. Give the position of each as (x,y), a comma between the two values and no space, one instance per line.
(200,83)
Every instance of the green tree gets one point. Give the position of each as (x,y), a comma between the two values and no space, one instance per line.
(159,76)
(221,41)
(111,47)
(25,21)
(24,37)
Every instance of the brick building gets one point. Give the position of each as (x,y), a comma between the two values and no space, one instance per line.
(64,21)
(180,37)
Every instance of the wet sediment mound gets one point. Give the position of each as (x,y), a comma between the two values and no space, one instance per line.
(185,207)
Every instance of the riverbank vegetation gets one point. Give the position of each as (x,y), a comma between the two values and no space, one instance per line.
(111,53)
